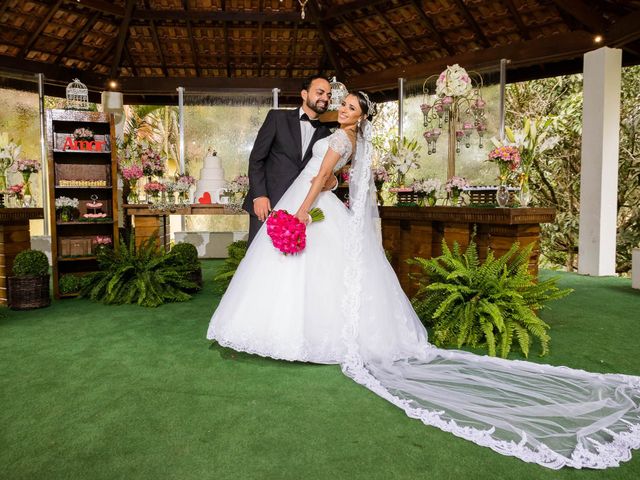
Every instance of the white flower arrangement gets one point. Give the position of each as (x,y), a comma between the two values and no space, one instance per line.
(66,203)
(429,186)
(453,82)
(401,156)
(9,152)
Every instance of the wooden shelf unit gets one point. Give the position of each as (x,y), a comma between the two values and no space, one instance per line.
(64,164)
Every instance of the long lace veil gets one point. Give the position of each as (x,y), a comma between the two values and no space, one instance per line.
(553,416)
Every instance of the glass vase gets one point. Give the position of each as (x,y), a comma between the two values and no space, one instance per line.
(3,188)
(524,195)
(133,198)
(431,200)
(65,215)
(502,196)
(421,200)
(455,197)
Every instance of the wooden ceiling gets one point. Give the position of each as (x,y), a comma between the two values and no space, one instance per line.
(152,46)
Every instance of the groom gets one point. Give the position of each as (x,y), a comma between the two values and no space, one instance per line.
(283,148)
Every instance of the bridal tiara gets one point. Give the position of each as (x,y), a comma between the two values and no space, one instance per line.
(370,105)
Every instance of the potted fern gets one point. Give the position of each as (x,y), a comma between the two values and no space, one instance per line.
(142,275)
(29,287)
(185,256)
(236,250)
(489,304)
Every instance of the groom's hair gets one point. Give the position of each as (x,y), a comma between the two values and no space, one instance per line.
(306,85)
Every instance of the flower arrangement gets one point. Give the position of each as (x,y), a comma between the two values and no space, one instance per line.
(155,188)
(453,82)
(66,206)
(66,202)
(132,172)
(102,240)
(152,163)
(185,179)
(83,134)
(288,234)
(401,156)
(240,184)
(454,187)
(508,160)
(427,189)
(380,175)
(16,190)
(9,152)
(28,166)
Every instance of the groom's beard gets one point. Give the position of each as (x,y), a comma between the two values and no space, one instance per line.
(319,106)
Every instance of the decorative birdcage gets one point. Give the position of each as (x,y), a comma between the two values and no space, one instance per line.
(338,92)
(77,95)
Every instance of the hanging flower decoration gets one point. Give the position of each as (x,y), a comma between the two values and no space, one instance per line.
(453,82)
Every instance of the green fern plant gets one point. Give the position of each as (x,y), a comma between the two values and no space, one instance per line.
(141,275)
(236,250)
(487,304)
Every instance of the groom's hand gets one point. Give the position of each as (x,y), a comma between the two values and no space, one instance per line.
(261,207)
(330,184)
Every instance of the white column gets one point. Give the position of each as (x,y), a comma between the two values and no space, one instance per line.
(599,163)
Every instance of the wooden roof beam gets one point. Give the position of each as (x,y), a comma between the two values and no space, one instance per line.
(348,8)
(366,42)
(431,27)
(472,22)
(326,39)
(122,37)
(80,35)
(532,52)
(522,28)
(583,13)
(397,35)
(192,43)
(156,42)
(292,53)
(102,6)
(3,6)
(38,31)
(624,31)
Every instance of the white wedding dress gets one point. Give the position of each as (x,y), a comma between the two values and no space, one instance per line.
(339,301)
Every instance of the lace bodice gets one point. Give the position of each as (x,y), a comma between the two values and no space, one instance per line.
(339,142)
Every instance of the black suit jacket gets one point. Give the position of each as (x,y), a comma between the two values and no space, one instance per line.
(276,159)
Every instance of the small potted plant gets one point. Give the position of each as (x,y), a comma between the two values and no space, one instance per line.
(83,134)
(426,191)
(69,284)
(66,206)
(29,287)
(186,259)
(101,242)
(454,188)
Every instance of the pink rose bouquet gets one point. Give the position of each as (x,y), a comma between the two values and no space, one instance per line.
(288,234)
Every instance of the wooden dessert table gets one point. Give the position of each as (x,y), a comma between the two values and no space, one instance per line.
(409,232)
(150,221)
(14,238)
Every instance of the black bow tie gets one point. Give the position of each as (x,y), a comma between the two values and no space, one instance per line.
(305,118)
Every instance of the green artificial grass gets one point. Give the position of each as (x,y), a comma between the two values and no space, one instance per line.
(89,391)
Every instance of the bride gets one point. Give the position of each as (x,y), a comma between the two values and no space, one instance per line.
(339,301)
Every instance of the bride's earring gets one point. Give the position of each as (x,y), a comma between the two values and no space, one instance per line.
(358,124)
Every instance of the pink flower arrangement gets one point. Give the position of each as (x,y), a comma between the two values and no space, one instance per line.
(185,179)
(152,163)
(508,160)
(456,184)
(102,240)
(288,234)
(380,175)
(155,187)
(134,172)
(16,190)
(28,166)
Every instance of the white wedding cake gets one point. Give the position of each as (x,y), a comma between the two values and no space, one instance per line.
(211,178)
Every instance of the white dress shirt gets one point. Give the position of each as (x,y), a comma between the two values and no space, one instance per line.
(306,132)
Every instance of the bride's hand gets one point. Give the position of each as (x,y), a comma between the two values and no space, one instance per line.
(303,217)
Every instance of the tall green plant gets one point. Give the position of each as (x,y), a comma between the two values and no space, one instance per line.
(143,275)
(236,250)
(489,304)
